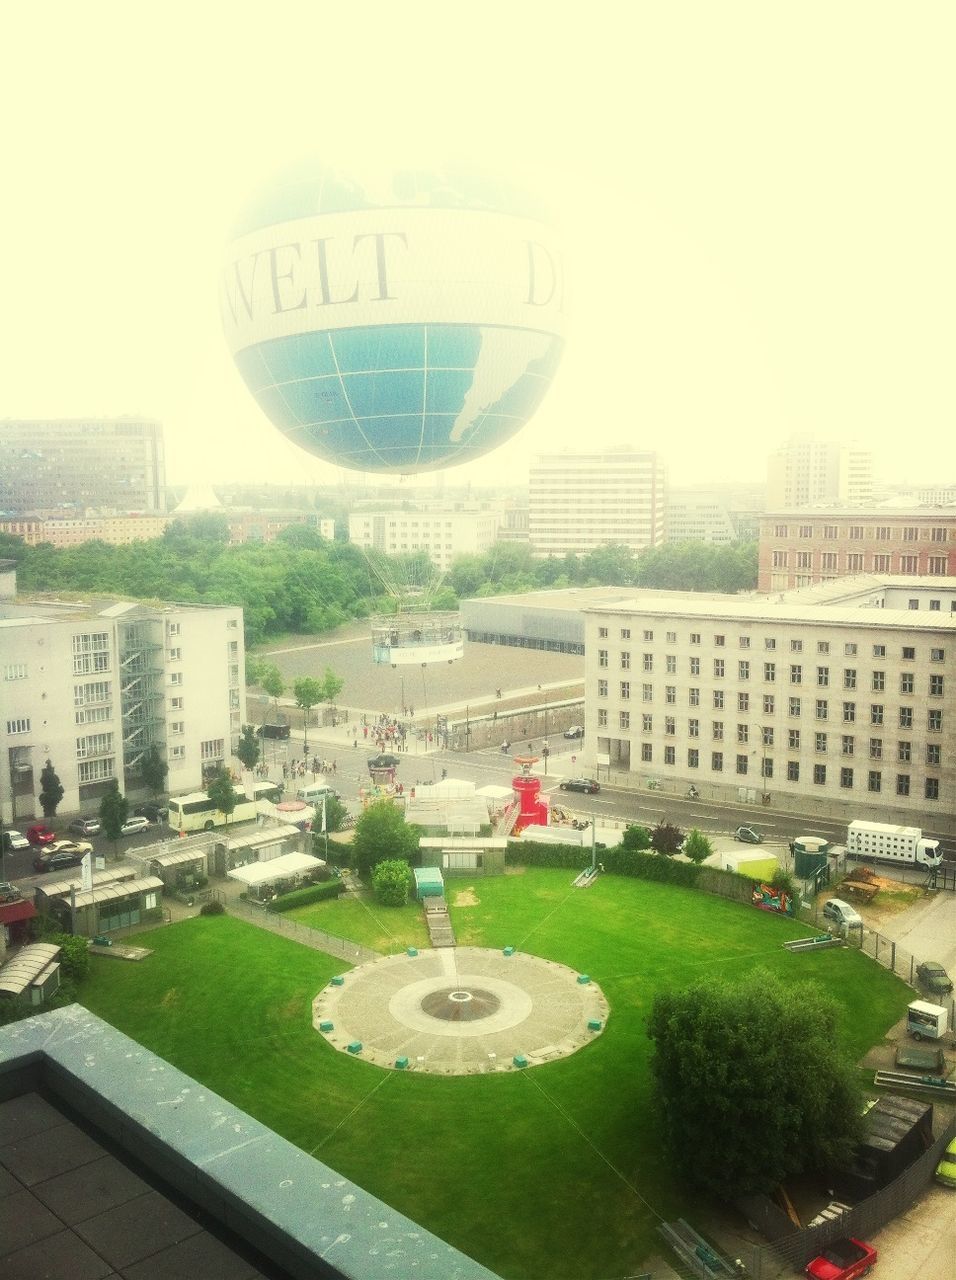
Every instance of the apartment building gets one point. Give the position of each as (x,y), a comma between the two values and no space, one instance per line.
(843,694)
(578,502)
(443,534)
(93,686)
(49,467)
(804,472)
(802,547)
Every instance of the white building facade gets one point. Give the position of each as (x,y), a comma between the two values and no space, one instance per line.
(844,693)
(94,687)
(804,472)
(442,534)
(578,502)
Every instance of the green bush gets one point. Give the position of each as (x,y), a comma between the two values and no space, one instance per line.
(622,862)
(212,909)
(391,880)
(302,897)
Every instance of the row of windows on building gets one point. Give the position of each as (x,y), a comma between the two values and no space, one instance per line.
(856,562)
(821,706)
(857,532)
(766,736)
(847,774)
(851,648)
(102,768)
(848,676)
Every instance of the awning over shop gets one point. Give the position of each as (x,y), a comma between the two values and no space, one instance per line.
(178,858)
(290,864)
(118,890)
(11,912)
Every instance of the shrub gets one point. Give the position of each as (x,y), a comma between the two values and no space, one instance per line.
(391,880)
(212,909)
(302,897)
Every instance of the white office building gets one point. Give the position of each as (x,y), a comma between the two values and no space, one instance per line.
(806,472)
(841,693)
(581,501)
(442,533)
(93,686)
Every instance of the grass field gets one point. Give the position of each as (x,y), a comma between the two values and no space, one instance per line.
(548,1173)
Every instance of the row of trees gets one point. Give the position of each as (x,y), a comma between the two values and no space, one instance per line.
(308,692)
(303,584)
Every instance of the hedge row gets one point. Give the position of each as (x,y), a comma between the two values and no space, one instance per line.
(302,897)
(628,862)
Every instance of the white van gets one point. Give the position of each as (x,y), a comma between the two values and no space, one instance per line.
(314,792)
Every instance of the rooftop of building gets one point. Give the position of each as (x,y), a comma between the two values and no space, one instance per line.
(873,511)
(29,610)
(574,599)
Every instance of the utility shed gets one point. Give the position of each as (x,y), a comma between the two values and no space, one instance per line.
(180,868)
(462,856)
(32,975)
(110,906)
(898,1131)
(429,882)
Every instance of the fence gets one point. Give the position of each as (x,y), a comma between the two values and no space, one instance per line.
(314,938)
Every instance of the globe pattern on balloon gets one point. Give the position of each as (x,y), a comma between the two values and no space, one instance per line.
(404,323)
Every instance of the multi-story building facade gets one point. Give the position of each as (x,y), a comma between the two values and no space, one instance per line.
(578,502)
(804,472)
(698,515)
(51,466)
(799,548)
(843,694)
(443,534)
(94,686)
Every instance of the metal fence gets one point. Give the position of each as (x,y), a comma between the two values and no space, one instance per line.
(317,939)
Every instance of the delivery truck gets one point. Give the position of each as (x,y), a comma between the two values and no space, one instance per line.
(880,842)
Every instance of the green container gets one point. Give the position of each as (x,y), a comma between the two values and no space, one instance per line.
(520,1060)
(594,1024)
(584,978)
(508,951)
(338,980)
(326,1025)
(411,951)
(401,1064)
(355,1046)
(807,863)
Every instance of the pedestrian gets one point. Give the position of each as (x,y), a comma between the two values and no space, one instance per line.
(364,730)
(335,768)
(355,744)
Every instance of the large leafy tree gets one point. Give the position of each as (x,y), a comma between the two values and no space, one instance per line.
(271,682)
(391,880)
(221,790)
(114,810)
(382,832)
(153,770)
(666,838)
(332,686)
(51,790)
(308,693)
(248,749)
(751,1083)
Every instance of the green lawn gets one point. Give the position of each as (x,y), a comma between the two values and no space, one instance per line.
(553,1172)
(363,921)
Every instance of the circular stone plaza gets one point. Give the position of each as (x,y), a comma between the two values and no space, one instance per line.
(460,1011)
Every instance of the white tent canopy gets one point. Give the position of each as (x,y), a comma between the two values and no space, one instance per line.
(290,864)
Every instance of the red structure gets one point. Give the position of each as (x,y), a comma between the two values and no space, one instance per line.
(532,810)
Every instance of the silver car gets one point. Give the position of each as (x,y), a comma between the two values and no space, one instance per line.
(841,912)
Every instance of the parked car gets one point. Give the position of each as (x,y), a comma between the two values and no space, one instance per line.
(748,835)
(946,1169)
(575,731)
(40,834)
(133,826)
(9,892)
(934,977)
(61,854)
(842,1260)
(152,812)
(587,785)
(85,826)
(13,840)
(841,912)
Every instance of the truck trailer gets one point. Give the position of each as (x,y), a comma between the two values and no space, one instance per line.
(881,842)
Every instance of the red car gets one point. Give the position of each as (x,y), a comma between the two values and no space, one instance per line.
(842,1260)
(40,834)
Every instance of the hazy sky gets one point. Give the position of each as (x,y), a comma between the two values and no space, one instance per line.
(756,201)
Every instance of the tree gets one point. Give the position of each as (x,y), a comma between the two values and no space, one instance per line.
(332,686)
(221,790)
(308,693)
(153,770)
(666,838)
(382,832)
(697,846)
(249,749)
(272,683)
(114,810)
(51,790)
(752,1085)
(391,880)
(636,838)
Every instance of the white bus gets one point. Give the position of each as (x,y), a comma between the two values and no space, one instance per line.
(196,812)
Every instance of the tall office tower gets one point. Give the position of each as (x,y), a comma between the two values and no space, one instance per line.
(804,472)
(52,466)
(581,501)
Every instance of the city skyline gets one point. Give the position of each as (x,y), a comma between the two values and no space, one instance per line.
(756,221)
